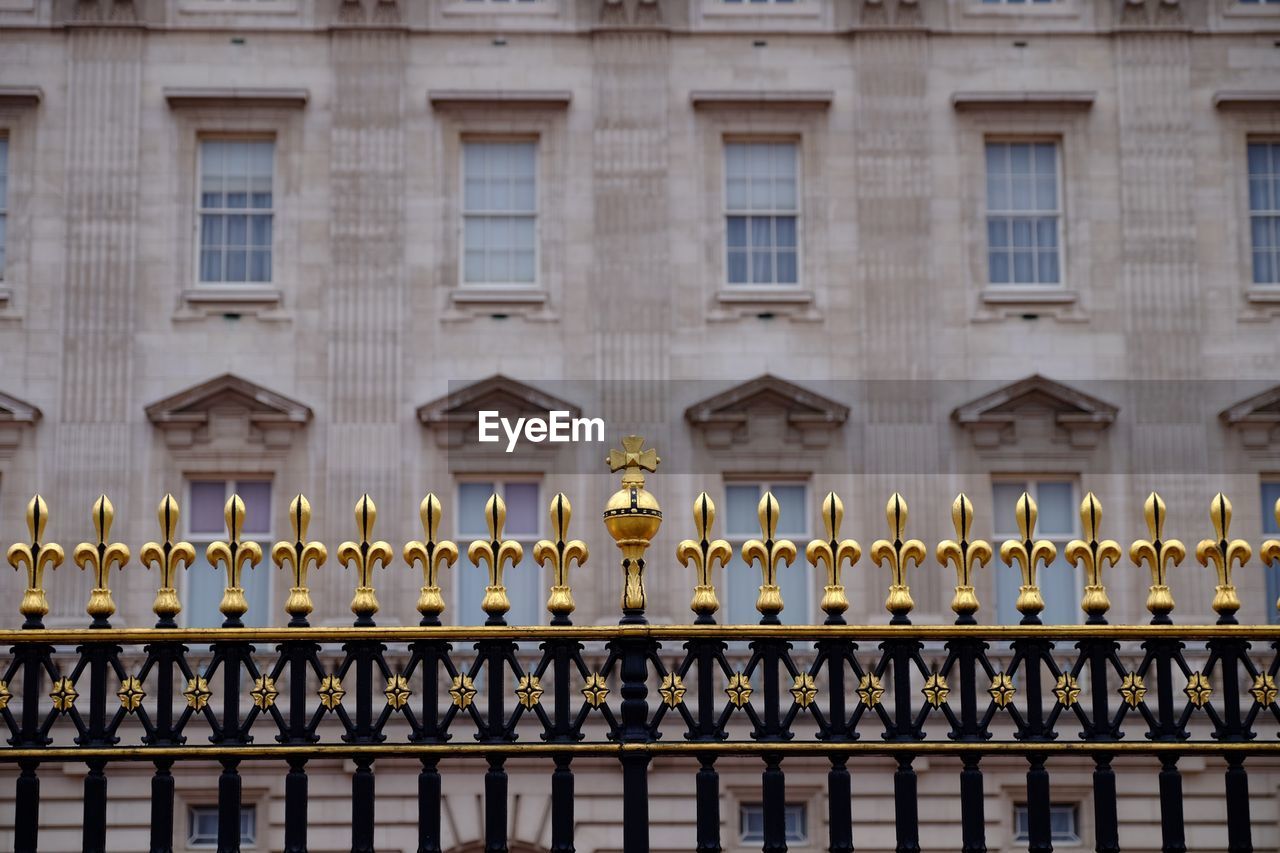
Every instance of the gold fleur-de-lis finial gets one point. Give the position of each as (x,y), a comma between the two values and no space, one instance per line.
(1270,552)
(36,557)
(559,553)
(769,551)
(963,553)
(1222,551)
(833,552)
(494,553)
(704,552)
(298,555)
(364,555)
(1156,552)
(431,552)
(101,555)
(1095,553)
(1029,553)
(169,556)
(234,554)
(898,552)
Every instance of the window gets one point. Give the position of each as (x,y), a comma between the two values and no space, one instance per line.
(751,823)
(4,198)
(523,582)
(742,582)
(1057,504)
(1064,823)
(202,826)
(761,213)
(205,524)
(235,210)
(1271,494)
(1264,210)
(1024,214)
(499,213)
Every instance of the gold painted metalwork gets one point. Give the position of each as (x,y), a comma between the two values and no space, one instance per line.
(1270,552)
(5,695)
(264,692)
(1222,552)
(1095,553)
(431,552)
(63,694)
(494,554)
(1132,689)
(1067,690)
(234,554)
(397,691)
(462,691)
(704,552)
(198,693)
(1001,690)
(963,553)
(632,517)
(936,690)
(169,556)
(365,554)
(36,557)
(131,694)
(331,692)
(1198,689)
(529,691)
(1029,553)
(870,689)
(671,690)
(804,691)
(595,691)
(101,555)
(1264,689)
(559,553)
(739,689)
(769,551)
(898,552)
(298,555)
(833,552)
(1156,552)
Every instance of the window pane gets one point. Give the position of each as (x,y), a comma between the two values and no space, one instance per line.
(761,268)
(472,497)
(1047,267)
(784,228)
(740,510)
(1270,495)
(207,500)
(1023,267)
(1022,233)
(761,232)
(522,509)
(736,231)
(786,262)
(999,267)
(256,495)
(1019,159)
(737,267)
(997,232)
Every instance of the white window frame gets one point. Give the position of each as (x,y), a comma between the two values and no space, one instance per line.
(200,541)
(1059,213)
(1031,483)
(200,210)
(796,144)
(736,540)
(1077,838)
(1272,213)
(247,810)
(500,483)
(463,213)
(745,837)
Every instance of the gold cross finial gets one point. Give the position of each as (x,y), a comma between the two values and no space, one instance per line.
(633,458)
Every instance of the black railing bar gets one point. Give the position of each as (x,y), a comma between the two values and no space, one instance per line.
(655,632)
(529,750)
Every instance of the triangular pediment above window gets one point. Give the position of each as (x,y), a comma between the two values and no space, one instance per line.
(767,409)
(457,413)
(228,410)
(1035,410)
(16,416)
(1257,420)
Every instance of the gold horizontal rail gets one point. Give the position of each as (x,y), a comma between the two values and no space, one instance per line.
(531,750)
(408,634)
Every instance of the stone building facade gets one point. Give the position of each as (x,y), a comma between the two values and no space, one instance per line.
(864,245)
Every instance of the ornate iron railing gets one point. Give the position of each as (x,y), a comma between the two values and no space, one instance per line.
(827,692)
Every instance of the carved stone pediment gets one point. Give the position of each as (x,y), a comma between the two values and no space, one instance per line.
(16,417)
(1257,420)
(228,412)
(1036,413)
(454,417)
(767,410)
